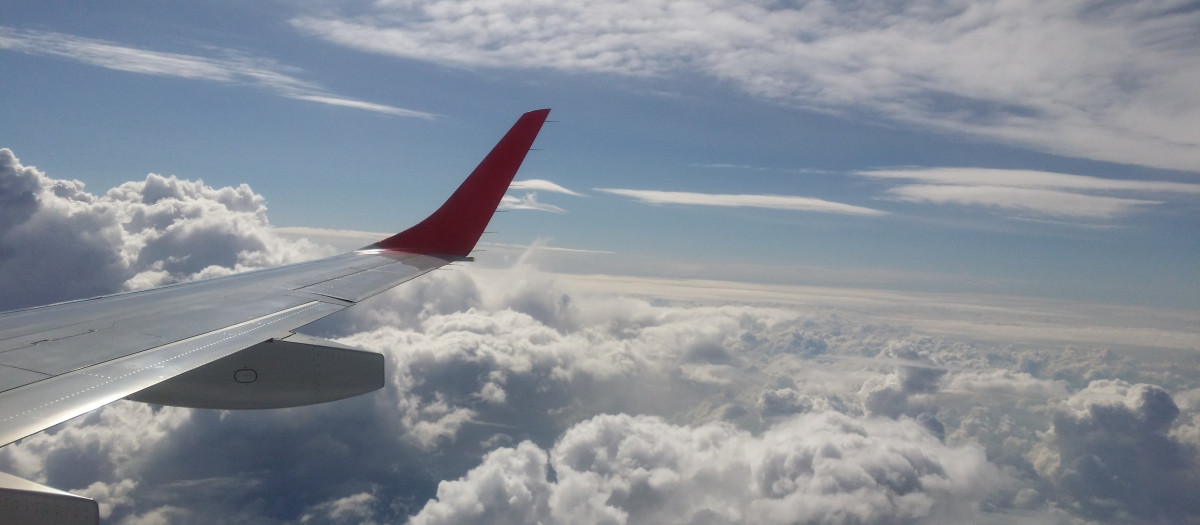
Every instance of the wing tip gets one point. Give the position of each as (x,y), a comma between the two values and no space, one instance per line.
(455,228)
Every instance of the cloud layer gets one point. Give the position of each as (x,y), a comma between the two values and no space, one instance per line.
(777,202)
(233,68)
(59,242)
(1035,193)
(1094,79)
(519,396)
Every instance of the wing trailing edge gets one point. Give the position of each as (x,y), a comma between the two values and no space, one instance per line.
(456,226)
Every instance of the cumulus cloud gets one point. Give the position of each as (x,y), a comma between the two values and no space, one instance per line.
(820,468)
(1111,454)
(777,202)
(1096,80)
(517,395)
(59,242)
(232,68)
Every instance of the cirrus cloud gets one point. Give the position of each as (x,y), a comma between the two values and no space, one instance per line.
(1095,80)
(1029,191)
(236,68)
(777,202)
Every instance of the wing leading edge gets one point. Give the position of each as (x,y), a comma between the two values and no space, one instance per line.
(219,343)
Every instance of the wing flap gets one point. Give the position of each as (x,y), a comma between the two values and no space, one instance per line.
(14,377)
(29,503)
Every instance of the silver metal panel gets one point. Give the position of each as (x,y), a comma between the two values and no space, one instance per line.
(56,334)
(364,284)
(134,331)
(14,377)
(356,263)
(33,407)
(20,327)
(64,355)
(103,349)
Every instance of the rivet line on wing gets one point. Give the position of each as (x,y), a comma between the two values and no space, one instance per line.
(252,326)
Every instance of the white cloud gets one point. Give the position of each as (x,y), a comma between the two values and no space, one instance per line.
(819,468)
(353,509)
(108,496)
(1037,201)
(528,202)
(1029,192)
(541,185)
(234,68)
(778,202)
(605,398)
(1111,455)
(61,242)
(1101,81)
(1029,179)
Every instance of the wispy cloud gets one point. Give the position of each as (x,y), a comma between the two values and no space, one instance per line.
(1040,201)
(528,202)
(777,202)
(541,185)
(541,246)
(1028,191)
(234,68)
(1028,179)
(731,166)
(1114,82)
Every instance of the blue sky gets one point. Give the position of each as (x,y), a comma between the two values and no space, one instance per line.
(756,220)
(1020,149)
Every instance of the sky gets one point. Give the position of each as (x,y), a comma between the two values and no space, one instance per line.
(998,147)
(773,262)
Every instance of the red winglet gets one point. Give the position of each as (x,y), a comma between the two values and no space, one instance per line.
(456,226)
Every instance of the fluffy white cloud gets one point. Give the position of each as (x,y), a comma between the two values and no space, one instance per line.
(58,242)
(1111,455)
(1094,79)
(816,468)
(636,400)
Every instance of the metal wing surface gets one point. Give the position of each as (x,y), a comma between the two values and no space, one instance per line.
(226,342)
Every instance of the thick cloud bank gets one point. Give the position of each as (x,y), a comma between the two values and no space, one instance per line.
(1111,454)
(516,396)
(59,242)
(817,468)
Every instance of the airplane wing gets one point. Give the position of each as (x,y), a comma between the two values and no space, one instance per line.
(227,342)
